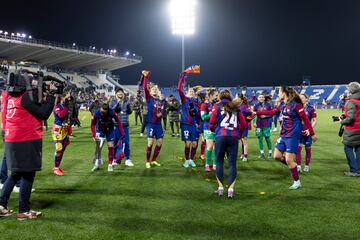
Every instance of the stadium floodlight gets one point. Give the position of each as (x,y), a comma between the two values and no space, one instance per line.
(183,21)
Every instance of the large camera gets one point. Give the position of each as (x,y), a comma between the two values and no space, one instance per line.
(35,83)
(338,118)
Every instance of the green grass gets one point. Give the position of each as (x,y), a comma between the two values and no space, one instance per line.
(171,202)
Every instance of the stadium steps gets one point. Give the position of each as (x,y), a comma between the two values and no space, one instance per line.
(332,94)
(116,84)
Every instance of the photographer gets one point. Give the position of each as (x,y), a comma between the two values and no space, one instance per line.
(174,106)
(351,136)
(25,111)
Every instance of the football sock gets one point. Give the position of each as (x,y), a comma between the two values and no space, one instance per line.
(148,153)
(111,154)
(269,143)
(294,173)
(187,153)
(193,152)
(156,152)
(203,147)
(308,155)
(213,157)
(261,144)
(298,156)
(207,157)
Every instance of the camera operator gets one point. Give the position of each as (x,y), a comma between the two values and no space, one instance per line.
(351,135)
(25,113)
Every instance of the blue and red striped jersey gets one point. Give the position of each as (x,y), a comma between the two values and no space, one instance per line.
(61,113)
(263,121)
(227,124)
(292,125)
(206,108)
(153,105)
(154,109)
(189,110)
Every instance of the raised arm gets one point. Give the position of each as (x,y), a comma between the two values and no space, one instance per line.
(180,87)
(145,86)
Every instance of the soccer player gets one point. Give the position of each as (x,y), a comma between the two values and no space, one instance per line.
(263,125)
(306,140)
(228,123)
(123,110)
(188,122)
(245,110)
(206,110)
(102,127)
(60,131)
(153,118)
(291,130)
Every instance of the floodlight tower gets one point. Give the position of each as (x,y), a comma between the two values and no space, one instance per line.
(183,21)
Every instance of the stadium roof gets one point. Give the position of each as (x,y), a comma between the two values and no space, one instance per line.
(69,57)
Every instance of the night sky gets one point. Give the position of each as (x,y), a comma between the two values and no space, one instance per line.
(237,42)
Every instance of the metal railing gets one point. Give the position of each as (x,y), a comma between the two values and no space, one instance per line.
(91,49)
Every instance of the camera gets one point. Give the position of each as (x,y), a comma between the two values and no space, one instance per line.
(337,118)
(35,83)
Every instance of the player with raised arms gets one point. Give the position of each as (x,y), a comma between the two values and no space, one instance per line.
(153,118)
(189,117)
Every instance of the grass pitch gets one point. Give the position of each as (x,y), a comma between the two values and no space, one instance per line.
(171,202)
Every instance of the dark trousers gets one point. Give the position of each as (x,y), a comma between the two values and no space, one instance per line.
(165,122)
(4,170)
(143,124)
(353,156)
(172,127)
(229,146)
(138,115)
(27,180)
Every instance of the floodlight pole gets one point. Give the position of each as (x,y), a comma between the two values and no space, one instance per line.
(183,52)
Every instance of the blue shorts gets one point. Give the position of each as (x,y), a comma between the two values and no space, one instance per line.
(306,140)
(110,136)
(154,131)
(289,145)
(245,132)
(189,133)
